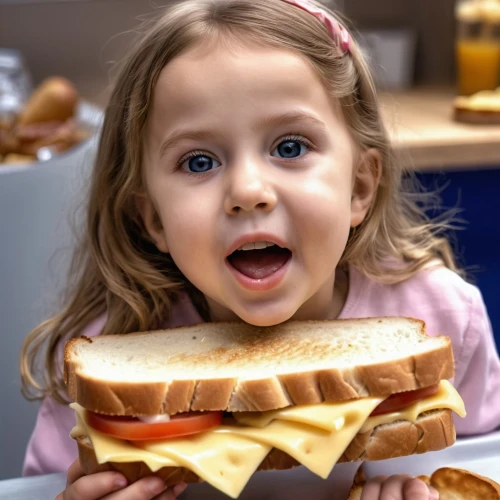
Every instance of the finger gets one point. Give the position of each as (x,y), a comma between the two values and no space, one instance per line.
(166,495)
(415,489)
(95,486)
(75,472)
(179,488)
(403,486)
(371,489)
(143,489)
(172,493)
(433,493)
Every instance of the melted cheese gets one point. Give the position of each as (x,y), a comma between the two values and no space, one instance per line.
(227,456)
(446,397)
(313,447)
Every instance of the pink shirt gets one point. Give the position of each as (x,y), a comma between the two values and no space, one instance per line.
(447,304)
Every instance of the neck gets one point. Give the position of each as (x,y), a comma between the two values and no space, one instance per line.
(327,303)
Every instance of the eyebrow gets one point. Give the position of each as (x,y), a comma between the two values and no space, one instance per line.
(178,136)
(271,121)
(293,117)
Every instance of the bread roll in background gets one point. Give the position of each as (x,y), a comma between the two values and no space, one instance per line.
(450,482)
(55,99)
(482,108)
(18,159)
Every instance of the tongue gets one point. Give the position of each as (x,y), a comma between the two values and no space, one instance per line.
(259,264)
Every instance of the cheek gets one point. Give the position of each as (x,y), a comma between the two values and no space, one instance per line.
(325,199)
(187,221)
(324,214)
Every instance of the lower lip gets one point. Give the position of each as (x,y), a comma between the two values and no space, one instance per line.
(263,284)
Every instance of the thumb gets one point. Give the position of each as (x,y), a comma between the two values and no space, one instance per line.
(433,493)
(179,488)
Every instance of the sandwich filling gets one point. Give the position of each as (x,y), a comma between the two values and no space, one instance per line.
(227,455)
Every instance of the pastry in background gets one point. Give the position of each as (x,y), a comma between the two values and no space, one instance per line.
(451,483)
(482,107)
(47,120)
(54,100)
(458,484)
(15,159)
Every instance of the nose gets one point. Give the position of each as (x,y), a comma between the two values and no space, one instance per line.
(249,188)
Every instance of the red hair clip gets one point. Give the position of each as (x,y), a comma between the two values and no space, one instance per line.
(336,30)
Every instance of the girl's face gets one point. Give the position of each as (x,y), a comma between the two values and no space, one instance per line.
(245,149)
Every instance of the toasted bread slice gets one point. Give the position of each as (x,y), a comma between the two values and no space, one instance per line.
(452,484)
(239,367)
(432,431)
(459,484)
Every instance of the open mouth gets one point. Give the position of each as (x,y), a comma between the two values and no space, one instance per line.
(260,259)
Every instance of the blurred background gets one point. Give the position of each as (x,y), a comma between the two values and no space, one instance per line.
(424,54)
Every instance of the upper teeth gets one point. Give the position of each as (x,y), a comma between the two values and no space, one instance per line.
(256,245)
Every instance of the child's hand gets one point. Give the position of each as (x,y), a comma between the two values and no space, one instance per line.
(113,486)
(397,487)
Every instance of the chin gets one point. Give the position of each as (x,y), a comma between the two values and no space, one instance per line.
(261,318)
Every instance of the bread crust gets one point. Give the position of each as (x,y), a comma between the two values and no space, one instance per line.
(259,394)
(462,482)
(432,431)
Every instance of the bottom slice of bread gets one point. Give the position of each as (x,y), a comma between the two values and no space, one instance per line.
(432,431)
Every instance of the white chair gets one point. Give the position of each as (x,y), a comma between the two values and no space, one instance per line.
(36,205)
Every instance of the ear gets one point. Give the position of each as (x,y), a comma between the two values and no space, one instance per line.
(365,184)
(151,221)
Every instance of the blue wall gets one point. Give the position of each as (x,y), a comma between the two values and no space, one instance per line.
(477,193)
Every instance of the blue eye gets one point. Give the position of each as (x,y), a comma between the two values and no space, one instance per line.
(290,149)
(200,163)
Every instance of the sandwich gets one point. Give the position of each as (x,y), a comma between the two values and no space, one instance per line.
(452,484)
(216,402)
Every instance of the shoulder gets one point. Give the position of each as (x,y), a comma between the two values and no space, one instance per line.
(442,288)
(182,313)
(438,296)
(50,448)
(435,289)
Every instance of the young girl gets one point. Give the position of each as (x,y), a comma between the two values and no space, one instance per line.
(244,173)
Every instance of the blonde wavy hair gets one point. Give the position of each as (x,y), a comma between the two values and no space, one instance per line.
(118,271)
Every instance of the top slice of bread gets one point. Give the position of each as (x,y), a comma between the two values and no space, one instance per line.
(239,367)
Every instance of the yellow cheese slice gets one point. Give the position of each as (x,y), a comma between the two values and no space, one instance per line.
(446,397)
(326,416)
(225,461)
(227,456)
(313,447)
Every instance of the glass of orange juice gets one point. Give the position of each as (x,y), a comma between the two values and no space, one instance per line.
(478,45)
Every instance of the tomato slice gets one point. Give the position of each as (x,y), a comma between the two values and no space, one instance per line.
(398,401)
(133,429)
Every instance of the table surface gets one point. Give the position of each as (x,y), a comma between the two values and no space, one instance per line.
(421,125)
(478,454)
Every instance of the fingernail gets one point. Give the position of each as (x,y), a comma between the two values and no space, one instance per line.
(179,488)
(155,485)
(120,482)
(433,493)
